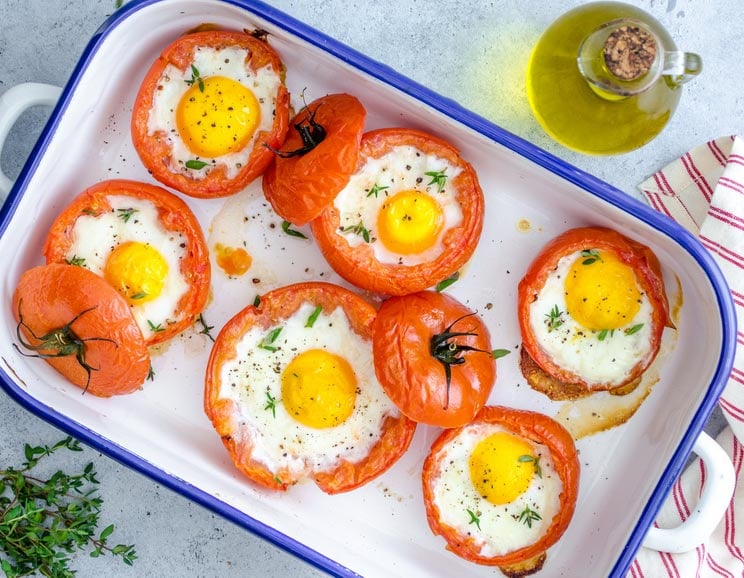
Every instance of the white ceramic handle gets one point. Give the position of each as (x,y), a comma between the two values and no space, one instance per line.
(716,497)
(13,103)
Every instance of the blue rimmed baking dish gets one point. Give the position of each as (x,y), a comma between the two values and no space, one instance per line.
(378,530)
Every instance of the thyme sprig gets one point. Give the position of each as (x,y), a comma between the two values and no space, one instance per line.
(527,516)
(358,229)
(376,190)
(60,342)
(535,463)
(474,518)
(554,318)
(43,522)
(126,214)
(205,330)
(195,78)
(270,403)
(448,352)
(438,178)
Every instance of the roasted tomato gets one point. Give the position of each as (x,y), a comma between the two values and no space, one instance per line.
(208,112)
(291,390)
(433,358)
(317,159)
(82,327)
(410,216)
(592,309)
(146,243)
(502,489)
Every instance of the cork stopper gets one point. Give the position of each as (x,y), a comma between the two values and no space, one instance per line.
(629,52)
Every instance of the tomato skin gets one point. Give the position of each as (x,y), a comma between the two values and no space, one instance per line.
(275,306)
(359,266)
(174,215)
(49,297)
(153,148)
(300,187)
(536,427)
(413,378)
(648,273)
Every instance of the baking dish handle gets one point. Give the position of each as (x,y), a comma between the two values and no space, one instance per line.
(13,103)
(715,498)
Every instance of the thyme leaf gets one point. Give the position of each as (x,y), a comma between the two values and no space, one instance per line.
(443,284)
(635,329)
(590,256)
(195,164)
(535,461)
(266,342)
(287,228)
(498,353)
(314,316)
(75,260)
(155,327)
(474,518)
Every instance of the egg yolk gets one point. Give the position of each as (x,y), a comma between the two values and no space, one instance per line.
(137,271)
(217,116)
(601,291)
(319,389)
(233,261)
(409,222)
(501,467)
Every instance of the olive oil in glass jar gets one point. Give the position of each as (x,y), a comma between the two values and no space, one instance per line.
(606,77)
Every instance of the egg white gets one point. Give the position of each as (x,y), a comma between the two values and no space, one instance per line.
(280,441)
(403,168)
(95,237)
(228,62)
(500,531)
(598,361)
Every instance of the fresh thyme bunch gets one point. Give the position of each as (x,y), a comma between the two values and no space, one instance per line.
(43,522)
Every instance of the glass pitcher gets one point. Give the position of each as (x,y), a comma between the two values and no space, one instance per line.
(606,77)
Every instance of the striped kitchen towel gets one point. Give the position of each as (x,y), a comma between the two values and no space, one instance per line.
(704,192)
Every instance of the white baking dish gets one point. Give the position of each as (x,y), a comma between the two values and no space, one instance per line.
(379,530)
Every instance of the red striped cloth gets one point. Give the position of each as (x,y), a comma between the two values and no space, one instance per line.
(704,192)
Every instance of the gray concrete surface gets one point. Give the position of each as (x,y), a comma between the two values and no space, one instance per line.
(41,40)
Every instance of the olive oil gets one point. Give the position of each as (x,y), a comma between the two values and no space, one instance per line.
(578,115)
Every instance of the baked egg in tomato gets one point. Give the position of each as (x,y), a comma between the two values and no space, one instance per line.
(147,243)
(409,217)
(592,309)
(206,111)
(291,390)
(502,489)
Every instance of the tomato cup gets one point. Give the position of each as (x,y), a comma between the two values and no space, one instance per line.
(177,147)
(81,326)
(634,265)
(317,158)
(433,357)
(471,542)
(76,234)
(316,310)
(410,216)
